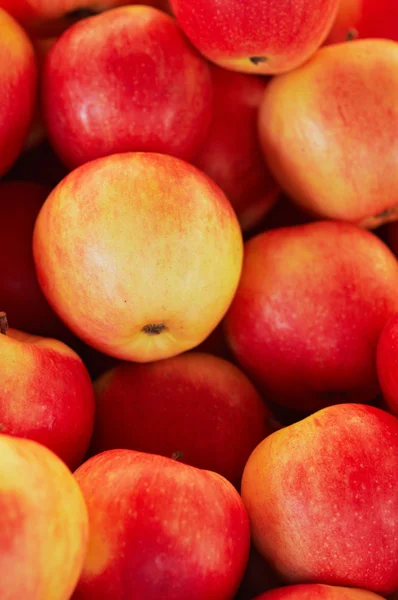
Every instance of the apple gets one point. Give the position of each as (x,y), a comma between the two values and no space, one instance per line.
(365,19)
(387,363)
(262,36)
(46,394)
(322,498)
(231,154)
(317,592)
(159,528)
(18,85)
(125,80)
(327,130)
(310,306)
(43,523)
(195,406)
(139,253)
(20,293)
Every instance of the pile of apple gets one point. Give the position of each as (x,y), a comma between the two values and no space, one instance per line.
(199,300)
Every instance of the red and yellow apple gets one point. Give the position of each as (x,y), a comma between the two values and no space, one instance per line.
(125,80)
(310,306)
(46,394)
(328,132)
(262,36)
(159,528)
(317,591)
(231,154)
(322,498)
(43,523)
(18,88)
(365,19)
(196,406)
(139,253)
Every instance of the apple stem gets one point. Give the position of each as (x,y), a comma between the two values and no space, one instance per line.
(256,60)
(177,455)
(3,323)
(352,34)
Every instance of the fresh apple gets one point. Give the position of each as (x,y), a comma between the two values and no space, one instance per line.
(310,307)
(318,591)
(20,293)
(125,80)
(262,36)
(18,86)
(231,154)
(43,523)
(46,394)
(328,128)
(139,253)
(322,498)
(160,529)
(195,406)
(365,19)
(387,363)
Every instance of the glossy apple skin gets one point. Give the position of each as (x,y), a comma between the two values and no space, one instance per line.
(365,19)
(231,154)
(333,120)
(18,88)
(310,306)
(195,405)
(387,363)
(114,71)
(43,523)
(160,528)
(137,240)
(279,33)
(46,395)
(318,592)
(322,499)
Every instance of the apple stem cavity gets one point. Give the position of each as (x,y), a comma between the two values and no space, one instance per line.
(257,60)
(154,328)
(177,455)
(3,323)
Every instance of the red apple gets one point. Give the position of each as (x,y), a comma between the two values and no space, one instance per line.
(46,394)
(43,523)
(310,306)
(365,19)
(323,501)
(18,83)
(387,363)
(160,529)
(231,154)
(139,253)
(262,36)
(328,132)
(195,406)
(125,80)
(318,592)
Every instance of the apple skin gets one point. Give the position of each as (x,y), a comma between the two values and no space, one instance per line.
(365,19)
(159,528)
(18,89)
(43,523)
(139,253)
(310,306)
(231,154)
(46,395)
(114,70)
(317,591)
(194,404)
(333,120)
(322,499)
(387,363)
(262,37)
